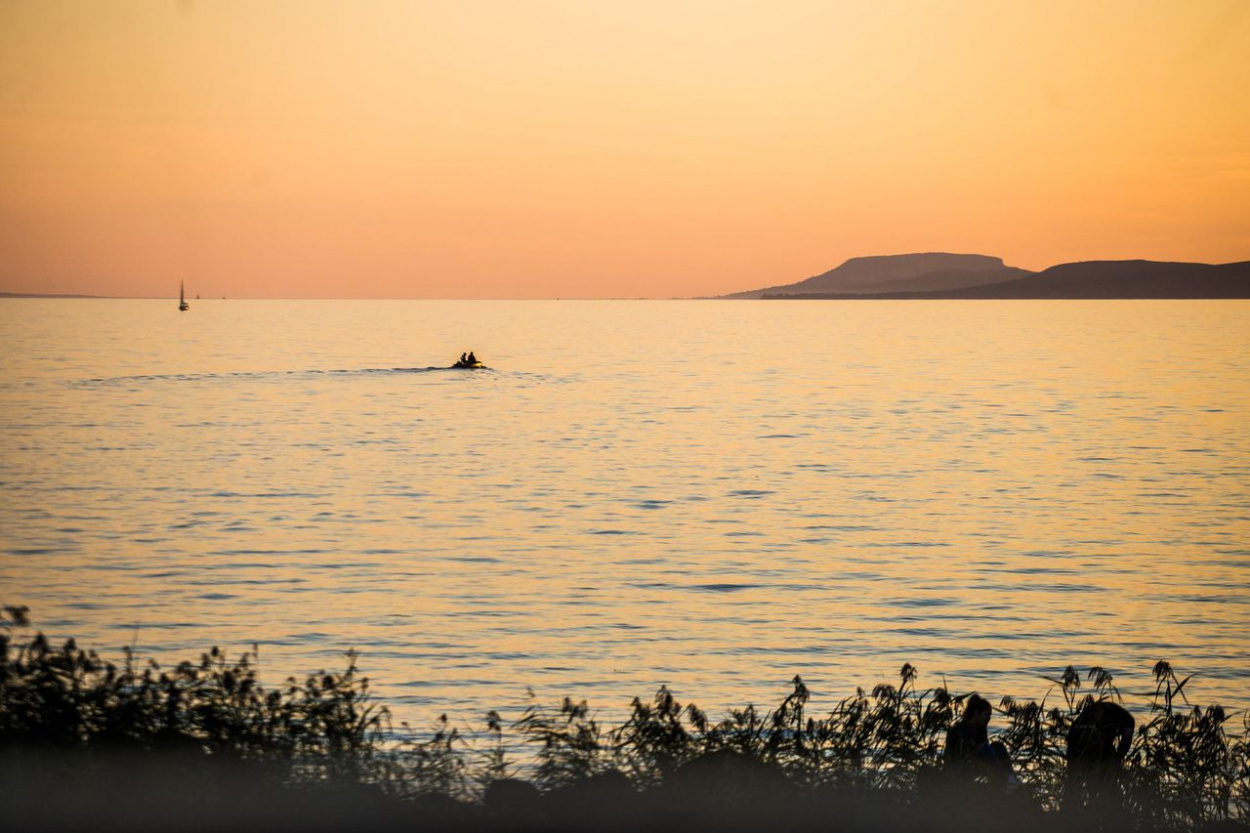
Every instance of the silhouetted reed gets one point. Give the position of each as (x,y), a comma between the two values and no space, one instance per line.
(870,758)
(61,699)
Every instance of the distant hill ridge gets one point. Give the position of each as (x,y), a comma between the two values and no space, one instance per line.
(939,275)
(42,295)
(898,273)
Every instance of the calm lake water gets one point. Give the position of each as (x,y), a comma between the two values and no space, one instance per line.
(711,495)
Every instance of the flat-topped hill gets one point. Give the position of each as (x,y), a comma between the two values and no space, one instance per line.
(922,272)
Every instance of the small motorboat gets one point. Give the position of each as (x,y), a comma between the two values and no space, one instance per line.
(465,364)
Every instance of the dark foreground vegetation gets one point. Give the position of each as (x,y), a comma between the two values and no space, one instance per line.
(86,744)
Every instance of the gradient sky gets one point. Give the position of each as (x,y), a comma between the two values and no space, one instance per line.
(659,148)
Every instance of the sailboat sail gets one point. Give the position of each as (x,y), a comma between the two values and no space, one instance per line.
(182,298)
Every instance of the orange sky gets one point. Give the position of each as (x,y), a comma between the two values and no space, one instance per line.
(464,148)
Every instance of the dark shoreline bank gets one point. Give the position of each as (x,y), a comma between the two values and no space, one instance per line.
(203,745)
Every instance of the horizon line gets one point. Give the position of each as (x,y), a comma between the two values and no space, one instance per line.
(10,294)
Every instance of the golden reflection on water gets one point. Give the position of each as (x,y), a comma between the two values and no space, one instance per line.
(712,495)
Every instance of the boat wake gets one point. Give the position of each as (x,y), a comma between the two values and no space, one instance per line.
(264,375)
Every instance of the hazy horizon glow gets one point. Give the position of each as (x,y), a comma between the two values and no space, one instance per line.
(299,148)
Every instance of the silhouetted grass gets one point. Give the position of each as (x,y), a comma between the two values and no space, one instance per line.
(206,743)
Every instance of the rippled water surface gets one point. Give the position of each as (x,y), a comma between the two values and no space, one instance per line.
(712,495)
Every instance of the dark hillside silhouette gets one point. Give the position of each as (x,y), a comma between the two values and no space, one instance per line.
(954,279)
(896,273)
(1128,279)
(1112,279)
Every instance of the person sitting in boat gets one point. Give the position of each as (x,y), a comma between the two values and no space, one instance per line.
(463,360)
(472,358)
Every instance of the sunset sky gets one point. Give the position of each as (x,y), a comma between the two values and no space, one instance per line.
(587,148)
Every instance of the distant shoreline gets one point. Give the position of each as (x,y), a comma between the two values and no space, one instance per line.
(43,295)
(882,296)
(954,296)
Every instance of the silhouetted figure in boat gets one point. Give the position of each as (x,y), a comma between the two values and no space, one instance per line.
(1098,743)
(463,360)
(968,747)
(472,358)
